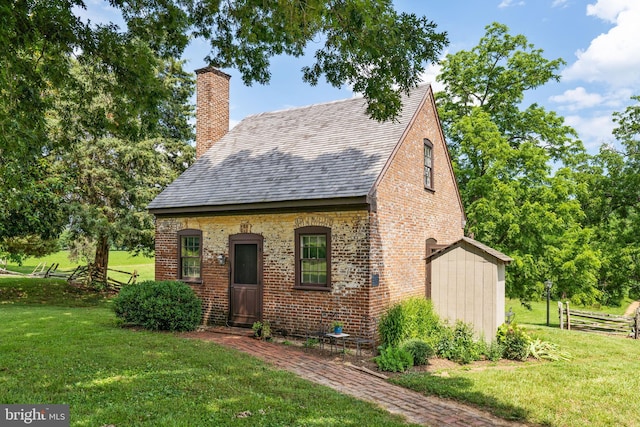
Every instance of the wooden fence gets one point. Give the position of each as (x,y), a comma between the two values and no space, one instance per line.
(87,274)
(598,322)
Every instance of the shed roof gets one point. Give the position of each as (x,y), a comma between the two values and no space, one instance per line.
(323,151)
(466,241)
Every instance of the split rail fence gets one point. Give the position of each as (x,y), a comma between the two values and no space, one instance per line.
(87,274)
(598,322)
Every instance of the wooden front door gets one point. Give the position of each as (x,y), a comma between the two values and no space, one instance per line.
(245,288)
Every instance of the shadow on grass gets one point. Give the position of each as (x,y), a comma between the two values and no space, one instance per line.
(49,292)
(460,389)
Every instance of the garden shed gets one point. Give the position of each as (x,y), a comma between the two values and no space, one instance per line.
(466,281)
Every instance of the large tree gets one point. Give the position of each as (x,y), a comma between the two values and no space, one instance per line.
(121,151)
(611,201)
(503,155)
(368,45)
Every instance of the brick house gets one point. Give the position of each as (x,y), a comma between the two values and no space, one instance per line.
(308,210)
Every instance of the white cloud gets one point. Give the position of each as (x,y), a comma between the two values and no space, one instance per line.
(577,99)
(614,57)
(429,76)
(609,10)
(509,3)
(594,131)
(559,3)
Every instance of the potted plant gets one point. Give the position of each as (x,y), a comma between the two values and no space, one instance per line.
(262,330)
(337,327)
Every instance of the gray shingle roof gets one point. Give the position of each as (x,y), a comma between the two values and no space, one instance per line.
(322,151)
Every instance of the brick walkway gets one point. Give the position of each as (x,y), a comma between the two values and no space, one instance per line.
(415,407)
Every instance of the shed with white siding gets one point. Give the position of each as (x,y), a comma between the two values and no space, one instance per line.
(467,282)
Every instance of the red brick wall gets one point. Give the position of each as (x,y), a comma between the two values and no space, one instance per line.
(212,108)
(408,214)
(285,307)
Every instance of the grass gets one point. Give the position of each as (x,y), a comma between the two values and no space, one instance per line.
(598,387)
(57,347)
(46,292)
(60,345)
(118,260)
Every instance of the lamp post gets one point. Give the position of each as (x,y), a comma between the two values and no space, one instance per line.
(509,316)
(547,285)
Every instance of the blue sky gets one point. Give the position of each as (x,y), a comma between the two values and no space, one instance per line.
(598,39)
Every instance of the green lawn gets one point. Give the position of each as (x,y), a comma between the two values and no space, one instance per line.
(598,387)
(118,260)
(60,345)
(61,348)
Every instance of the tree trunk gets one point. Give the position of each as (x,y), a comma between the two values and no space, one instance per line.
(101,260)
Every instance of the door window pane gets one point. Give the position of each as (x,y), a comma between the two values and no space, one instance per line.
(245,266)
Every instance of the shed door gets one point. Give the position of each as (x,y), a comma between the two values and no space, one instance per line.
(245,293)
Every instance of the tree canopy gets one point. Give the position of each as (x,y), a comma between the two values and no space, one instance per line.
(611,201)
(69,86)
(503,153)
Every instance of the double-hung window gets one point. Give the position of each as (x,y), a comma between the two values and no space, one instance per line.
(313,258)
(190,255)
(428,165)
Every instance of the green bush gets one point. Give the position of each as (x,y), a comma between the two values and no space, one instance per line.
(413,318)
(394,359)
(167,306)
(494,351)
(515,341)
(458,344)
(420,351)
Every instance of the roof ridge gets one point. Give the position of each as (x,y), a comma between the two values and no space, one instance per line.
(302,107)
(356,96)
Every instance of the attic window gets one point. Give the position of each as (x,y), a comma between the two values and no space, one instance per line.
(190,255)
(428,164)
(313,258)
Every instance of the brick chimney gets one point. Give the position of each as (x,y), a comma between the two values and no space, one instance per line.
(212,107)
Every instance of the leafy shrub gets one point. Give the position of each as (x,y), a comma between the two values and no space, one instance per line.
(165,305)
(420,351)
(413,318)
(515,340)
(494,351)
(394,359)
(457,344)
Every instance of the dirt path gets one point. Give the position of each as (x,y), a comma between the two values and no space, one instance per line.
(631,310)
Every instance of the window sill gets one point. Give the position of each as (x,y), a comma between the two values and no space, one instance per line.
(312,288)
(430,190)
(191,281)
